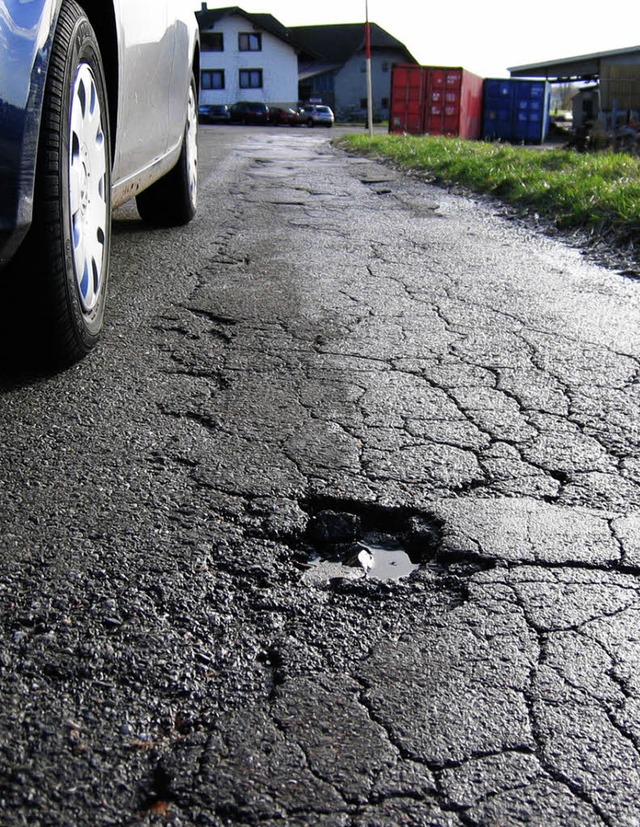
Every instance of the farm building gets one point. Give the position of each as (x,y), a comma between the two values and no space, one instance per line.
(611,92)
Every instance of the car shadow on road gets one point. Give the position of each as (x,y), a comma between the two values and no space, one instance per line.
(25,357)
(23,361)
(19,365)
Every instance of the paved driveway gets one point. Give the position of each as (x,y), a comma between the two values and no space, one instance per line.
(331,355)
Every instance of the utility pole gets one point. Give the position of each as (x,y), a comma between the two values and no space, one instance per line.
(367,55)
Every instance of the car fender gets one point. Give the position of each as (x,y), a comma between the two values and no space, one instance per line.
(26,32)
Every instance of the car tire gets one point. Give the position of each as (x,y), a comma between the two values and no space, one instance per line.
(173,199)
(310,122)
(59,278)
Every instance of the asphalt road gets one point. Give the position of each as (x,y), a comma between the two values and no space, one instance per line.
(330,354)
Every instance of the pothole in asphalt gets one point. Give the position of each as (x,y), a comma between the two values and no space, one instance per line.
(356,540)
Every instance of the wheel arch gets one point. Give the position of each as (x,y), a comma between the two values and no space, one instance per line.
(196,63)
(102,17)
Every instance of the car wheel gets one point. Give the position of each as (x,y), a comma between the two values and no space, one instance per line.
(173,199)
(66,253)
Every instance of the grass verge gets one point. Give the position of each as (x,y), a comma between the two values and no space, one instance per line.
(593,191)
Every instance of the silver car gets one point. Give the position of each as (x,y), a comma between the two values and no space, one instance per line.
(316,115)
(98,104)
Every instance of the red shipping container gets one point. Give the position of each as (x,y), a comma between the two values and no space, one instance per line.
(435,100)
(406,111)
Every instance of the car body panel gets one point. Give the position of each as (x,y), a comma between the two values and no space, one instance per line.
(26,31)
(145,52)
(149,81)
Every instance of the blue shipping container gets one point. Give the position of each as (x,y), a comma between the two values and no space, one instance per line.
(516,110)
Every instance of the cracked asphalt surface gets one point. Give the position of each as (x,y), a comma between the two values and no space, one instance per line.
(331,352)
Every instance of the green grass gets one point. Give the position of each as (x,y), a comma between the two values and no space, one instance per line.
(597,191)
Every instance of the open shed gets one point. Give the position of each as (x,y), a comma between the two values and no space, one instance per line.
(613,78)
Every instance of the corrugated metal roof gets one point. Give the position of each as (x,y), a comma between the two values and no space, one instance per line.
(581,66)
(316,69)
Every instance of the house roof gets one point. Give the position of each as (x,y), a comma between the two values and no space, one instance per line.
(207,19)
(585,67)
(336,43)
(314,69)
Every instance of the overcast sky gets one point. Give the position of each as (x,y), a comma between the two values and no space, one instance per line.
(484,36)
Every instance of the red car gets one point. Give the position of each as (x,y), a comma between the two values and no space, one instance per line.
(280,115)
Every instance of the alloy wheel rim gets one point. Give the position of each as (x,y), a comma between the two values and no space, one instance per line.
(192,145)
(88,155)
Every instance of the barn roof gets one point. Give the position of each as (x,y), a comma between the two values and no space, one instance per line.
(582,67)
(336,43)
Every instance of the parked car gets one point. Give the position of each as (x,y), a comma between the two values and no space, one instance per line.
(281,115)
(97,105)
(316,115)
(214,113)
(250,112)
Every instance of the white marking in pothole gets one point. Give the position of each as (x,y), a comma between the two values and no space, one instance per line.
(365,558)
(377,562)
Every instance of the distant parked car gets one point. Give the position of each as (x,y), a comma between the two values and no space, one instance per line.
(249,112)
(281,115)
(316,115)
(214,113)
(96,106)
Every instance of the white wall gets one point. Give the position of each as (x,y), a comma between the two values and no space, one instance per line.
(351,84)
(278,61)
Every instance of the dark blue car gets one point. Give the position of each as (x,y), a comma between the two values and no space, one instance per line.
(214,113)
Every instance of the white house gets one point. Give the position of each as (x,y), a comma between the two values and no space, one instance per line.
(246,57)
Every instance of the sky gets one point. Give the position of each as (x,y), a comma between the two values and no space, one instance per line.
(484,36)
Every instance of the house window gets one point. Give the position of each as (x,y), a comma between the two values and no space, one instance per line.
(251,78)
(212,42)
(249,42)
(212,78)
(385,67)
(384,103)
